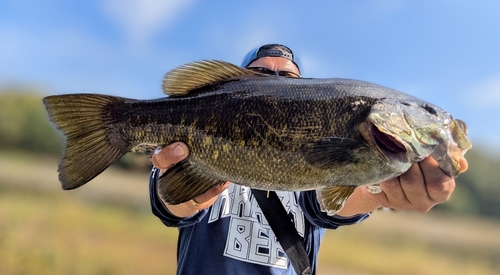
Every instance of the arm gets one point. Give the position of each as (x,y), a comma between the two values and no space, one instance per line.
(168,156)
(422,187)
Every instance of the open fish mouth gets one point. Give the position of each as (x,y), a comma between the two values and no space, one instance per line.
(388,144)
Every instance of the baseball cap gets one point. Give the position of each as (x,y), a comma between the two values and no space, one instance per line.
(273,50)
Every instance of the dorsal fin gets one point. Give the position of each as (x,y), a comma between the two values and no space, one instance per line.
(182,80)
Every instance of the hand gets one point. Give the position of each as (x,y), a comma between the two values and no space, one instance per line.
(422,187)
(163,158)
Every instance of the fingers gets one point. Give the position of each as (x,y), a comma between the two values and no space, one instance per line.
(414,186)
(439,186)
(405,194)
(169,155)
(392,194)
(419,189)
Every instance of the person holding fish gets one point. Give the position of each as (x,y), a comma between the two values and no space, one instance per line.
(327,151)
(223,231)
(330,151)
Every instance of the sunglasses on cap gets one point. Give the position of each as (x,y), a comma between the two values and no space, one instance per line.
(263,70)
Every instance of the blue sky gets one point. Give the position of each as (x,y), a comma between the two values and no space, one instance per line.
(446,52)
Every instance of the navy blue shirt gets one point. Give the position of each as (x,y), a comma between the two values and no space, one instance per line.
(233,236)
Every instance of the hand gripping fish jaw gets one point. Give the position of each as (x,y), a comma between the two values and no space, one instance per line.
(423,129)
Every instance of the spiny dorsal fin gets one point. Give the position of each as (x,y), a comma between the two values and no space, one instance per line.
(182,80)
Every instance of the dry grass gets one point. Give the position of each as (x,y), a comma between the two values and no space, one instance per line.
(415,244)
(43,234)
(106,227)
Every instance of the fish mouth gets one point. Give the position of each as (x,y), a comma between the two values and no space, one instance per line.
(388,144)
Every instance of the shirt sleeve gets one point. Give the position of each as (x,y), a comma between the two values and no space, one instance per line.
(162,212)
(312,211)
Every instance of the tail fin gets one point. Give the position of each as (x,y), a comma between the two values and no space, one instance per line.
(91,142)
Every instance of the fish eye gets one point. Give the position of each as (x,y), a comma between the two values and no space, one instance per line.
(430,109)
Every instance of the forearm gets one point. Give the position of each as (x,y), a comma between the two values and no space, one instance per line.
(312,211)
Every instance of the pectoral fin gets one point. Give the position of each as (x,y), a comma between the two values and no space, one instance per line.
(183,182)
(332,199)
(328,152)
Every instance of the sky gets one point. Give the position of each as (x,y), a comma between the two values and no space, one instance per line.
(444,51)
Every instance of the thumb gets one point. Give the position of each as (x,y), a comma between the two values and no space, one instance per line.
(169,155)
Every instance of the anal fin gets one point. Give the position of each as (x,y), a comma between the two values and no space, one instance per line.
(332,199)
(183,182)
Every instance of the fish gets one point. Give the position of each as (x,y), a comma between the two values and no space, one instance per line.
(266,132)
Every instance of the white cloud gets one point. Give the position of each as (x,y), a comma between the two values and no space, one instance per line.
(485,94)
(140,20)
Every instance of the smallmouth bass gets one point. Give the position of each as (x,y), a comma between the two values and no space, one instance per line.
(261,131)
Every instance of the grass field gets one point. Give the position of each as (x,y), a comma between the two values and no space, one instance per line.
(106,227)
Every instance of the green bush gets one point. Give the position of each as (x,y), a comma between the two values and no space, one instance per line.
(24,124)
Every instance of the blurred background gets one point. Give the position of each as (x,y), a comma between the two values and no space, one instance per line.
(443,51)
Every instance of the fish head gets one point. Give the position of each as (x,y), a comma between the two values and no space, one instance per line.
(409,130)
